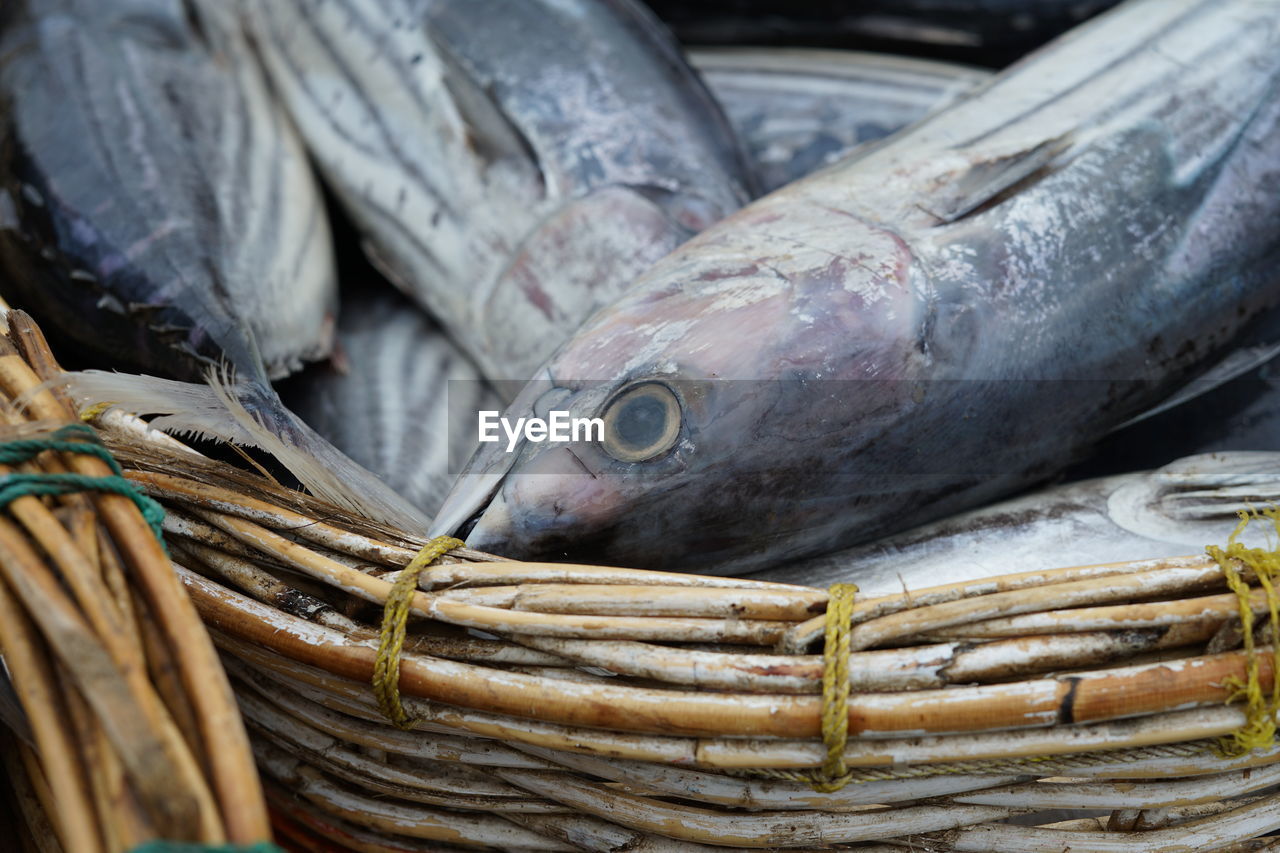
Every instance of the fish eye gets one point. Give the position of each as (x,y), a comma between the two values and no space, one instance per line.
(641,422)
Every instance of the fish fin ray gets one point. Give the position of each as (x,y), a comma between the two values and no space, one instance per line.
(490,134)
(1235,365)
(1194,500)
(250,415)
(986,181)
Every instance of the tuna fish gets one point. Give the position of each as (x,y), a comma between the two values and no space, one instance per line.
(403,404)
(152,199)
(1169,512)
(512,163)
(941,321)
(157,208)
(799,110)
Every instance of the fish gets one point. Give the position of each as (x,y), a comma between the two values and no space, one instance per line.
(152,199)
(992,32)
(512,164)
(1172,511)
(797,110)
(158,209)
(402,403)
(942,321)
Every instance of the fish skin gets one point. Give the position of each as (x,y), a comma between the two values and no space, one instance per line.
(403,404)
(1172,511)
(163,207)
(976,302)
(797,110)
(512,164)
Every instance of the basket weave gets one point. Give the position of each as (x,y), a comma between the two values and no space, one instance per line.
(125,729)
(563,707)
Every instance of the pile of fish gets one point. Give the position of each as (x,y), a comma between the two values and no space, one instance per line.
(810,298)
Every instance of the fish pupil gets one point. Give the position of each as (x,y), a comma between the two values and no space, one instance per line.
(641,422)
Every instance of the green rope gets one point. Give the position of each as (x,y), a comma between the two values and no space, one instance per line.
(192,847)
(14,486)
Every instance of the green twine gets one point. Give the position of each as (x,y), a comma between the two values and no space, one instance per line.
(191,847)
(14,486)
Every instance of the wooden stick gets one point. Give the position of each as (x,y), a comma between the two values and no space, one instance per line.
(1213,833)
(159,764)
(397,816)
(751,830)
(234,777)
(801,636)
(27,659)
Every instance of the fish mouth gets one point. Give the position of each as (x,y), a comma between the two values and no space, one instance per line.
(468,500)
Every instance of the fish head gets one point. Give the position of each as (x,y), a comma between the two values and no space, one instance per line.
(726,393)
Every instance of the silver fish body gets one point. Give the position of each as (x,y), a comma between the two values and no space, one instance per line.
(153,201)
(513,164)
(1175,510)
(943,320)
(403,405)
(798,110)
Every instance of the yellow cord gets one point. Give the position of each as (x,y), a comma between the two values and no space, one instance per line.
(395,616)
(91,412)
(835,688)
(1259,729)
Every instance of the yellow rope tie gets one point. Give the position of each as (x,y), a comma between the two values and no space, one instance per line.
(395,616)
(1259,729)
(835,688)
(90,412)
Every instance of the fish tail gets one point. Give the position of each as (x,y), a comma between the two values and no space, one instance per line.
(250,414)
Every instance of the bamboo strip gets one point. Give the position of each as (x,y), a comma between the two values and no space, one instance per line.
(790,605)
(317,832)
(448,784)
(752,830)
(158,761)
(732,791)
(222,501)
(1084,697)
(801,636)
(1128,794)
(586,832)
(360,732)
(1209,609)
(1145,584)
(398,817)
(27,812)
(493,619)
(234,778)
(712,754)
(1212,833)
(26,658)
(910,668)
(370,779)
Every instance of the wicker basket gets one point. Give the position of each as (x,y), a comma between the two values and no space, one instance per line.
(564,707)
